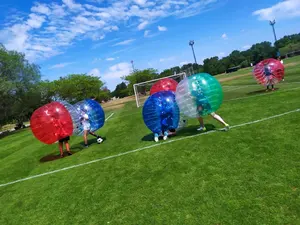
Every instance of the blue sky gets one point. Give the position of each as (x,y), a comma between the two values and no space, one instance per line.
(101,37)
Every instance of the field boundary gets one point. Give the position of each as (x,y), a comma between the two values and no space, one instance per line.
(145,148)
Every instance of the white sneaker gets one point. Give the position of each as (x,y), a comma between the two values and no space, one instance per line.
(201,129)
(165,138)
(156,139)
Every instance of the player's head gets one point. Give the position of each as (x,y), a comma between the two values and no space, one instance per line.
(93,97)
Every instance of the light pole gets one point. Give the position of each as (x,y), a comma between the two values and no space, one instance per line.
(272,23)
(191,43)
(132,65)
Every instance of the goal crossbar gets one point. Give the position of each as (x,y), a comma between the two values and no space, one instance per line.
(183,75)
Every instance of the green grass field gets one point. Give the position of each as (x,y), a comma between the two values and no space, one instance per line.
(248,175)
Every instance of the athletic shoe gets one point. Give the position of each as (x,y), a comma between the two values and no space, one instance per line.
(201,129)
(70,153)
(165,136)
(86,146)
(156,137)
(61,156)
(273,89)
(227,127)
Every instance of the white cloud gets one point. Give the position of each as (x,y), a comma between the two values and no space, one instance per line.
(61,65)
(143,25)
(224,36)
(140,2)
(146,33)
(94,72)
(161,28)
(183,63)
(110,59)
(221,54)
(72,5)
(55,26)
(118,70)
(246,47)
(282,10)
(126,42)
(35,21)
(40,8)
(167,59)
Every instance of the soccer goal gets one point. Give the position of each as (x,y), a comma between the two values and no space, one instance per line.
(142,90)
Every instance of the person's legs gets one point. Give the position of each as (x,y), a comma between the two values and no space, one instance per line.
(60,145)
(202,127)
(219,118)
(93,134)
(85,134)
(156,136)
(68,147)
(165,135)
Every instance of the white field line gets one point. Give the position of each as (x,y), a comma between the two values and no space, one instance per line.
(144,148)
(109,116)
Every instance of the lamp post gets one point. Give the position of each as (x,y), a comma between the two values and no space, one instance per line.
(132,65)
(272,23)
(191,43)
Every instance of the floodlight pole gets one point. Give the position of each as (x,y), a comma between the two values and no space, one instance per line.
(132,65)
(272,23)
(191,43)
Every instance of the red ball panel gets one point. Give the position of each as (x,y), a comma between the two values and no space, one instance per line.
(268,71)
(166,84)
(51,123)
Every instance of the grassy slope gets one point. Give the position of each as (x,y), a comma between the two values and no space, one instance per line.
(249,175)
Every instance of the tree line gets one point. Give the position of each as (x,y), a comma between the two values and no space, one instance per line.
(22,90)
(215,65)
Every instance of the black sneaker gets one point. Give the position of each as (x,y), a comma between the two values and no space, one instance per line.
(70,153)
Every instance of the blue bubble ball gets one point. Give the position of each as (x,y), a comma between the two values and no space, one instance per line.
(94,113)
(161,112)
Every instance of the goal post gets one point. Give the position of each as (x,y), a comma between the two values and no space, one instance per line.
(142,90)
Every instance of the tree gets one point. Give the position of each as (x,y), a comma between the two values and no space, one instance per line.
(139,76)
(121,90)
(18,82)
(76,87)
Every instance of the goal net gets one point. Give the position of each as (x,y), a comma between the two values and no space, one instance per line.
(142,90)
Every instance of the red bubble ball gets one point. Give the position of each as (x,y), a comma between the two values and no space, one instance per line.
(269,71)
(51,123)
(166,84)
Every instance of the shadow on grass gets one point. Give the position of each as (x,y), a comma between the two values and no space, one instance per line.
(260,91)
(74,149)
(52,156)
(187,131)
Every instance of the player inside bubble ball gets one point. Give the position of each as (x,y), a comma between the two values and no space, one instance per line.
(203,108)
(270,77)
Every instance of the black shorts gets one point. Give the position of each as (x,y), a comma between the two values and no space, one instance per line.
(64,139)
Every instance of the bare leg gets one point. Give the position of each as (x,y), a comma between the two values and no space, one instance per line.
(200,119)
(86,132)
(60,145)
(67,146)
(218,118)
(92,133)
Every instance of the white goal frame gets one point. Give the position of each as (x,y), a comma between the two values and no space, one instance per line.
(138,104)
